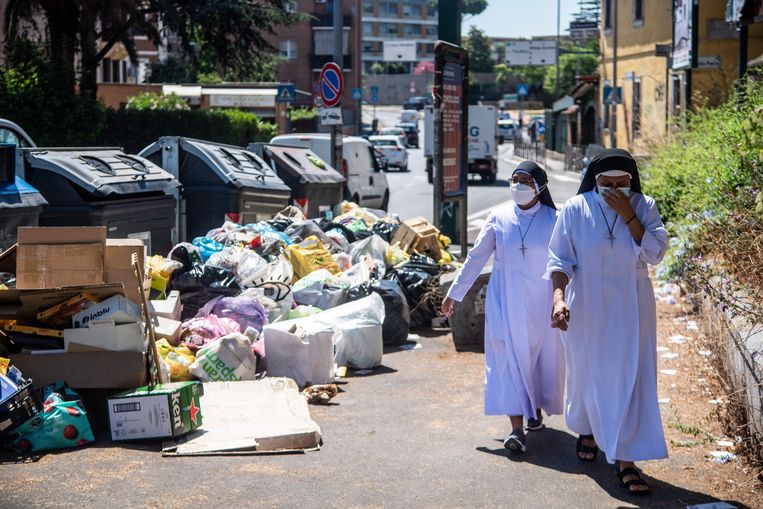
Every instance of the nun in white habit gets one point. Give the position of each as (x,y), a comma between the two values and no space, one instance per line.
(603,299)
(524,358)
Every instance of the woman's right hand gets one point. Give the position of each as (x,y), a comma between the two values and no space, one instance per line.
(447,306)
(560,315)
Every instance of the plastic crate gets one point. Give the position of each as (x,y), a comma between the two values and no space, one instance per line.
(18,409)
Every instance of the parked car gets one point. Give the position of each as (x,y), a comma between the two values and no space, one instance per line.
(366,182)
(411,134)
(409,116)
(395,131)
(394,152)
(417,102)
(504,115)
(507,130)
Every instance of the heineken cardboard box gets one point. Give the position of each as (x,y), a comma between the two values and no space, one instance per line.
(164,411)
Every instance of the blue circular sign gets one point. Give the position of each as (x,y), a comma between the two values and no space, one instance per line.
(331,84)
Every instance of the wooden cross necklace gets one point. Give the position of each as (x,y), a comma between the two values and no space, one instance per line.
(522,236)
(611,238)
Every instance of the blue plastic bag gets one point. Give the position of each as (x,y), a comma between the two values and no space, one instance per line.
(207,247)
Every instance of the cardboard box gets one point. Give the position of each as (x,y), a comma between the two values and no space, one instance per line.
(116,309)
(118,266)
(107,335)
(420,235)
(169,307)
(164,411)
(48,257)
(84,370)
(164,328)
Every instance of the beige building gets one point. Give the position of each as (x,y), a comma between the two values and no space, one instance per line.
(654,94)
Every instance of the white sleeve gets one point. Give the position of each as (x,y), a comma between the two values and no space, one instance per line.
(479,254)
(654,243)
(561,251)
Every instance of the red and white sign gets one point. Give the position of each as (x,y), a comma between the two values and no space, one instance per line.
(331,84)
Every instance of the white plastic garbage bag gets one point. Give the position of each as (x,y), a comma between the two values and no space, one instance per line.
(357,329)
(301,350)
(243,262)
(321,289)
(228,359)
(374,246)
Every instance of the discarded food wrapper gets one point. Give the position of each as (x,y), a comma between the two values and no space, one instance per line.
(721,457)
(320,394)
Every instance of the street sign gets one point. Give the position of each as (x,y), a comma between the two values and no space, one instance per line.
(286,94)
(330,116)
(331,84)
(357,93)
(608,89)
(584,30)
(399,51)
(530,52)
(374,94)
(510,98)
(523,90)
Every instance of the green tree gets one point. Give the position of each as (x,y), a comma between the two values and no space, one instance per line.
(479,47)
(171,70)
(531,75)
(469,7)
(572,63)
(377,68)
(231,33)
(152,101)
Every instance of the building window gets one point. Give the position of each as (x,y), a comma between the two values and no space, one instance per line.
(431,30)
(676,93)
(290,6)
(408,10)
(412,30)
(431,11)
(388,9)
(288,49)
(368,7)
(368,29)
(106,70)
(116,66)
(638,13)
(607,14)
(636,109)
(388,28)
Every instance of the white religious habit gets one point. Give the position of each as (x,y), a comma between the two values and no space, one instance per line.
(610,343)
(524,358)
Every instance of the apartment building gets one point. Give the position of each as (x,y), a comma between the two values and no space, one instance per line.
(658,85)
(385,20)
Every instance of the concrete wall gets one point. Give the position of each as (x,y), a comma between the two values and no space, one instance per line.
(395,89)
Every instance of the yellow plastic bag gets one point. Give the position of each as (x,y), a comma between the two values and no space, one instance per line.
(395,255)
(4,365)
(444,241)
(178,359)
(310,255)
(161,269)
(445,257)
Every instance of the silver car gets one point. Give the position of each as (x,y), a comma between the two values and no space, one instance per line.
(507,130)
(393,150)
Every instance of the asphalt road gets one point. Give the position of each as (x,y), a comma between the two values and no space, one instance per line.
(411,195)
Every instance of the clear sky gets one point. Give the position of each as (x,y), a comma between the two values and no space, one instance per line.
(521,18)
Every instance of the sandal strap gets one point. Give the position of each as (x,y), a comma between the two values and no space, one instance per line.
(581,447)
(621,474)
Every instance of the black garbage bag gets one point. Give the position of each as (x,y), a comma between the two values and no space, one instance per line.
(420,282)
(187,254)
(385,230)
(363,234)
(397,318)
(280,223)
(327,225)
(200,285)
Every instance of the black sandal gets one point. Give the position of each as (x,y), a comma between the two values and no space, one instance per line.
(535,424)
(638,481)
(586,449)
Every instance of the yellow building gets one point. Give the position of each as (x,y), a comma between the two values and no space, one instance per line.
(655,90)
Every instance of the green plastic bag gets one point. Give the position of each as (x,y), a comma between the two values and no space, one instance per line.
(62,424)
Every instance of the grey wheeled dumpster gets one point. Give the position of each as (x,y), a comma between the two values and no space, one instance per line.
(220,183)
(315,186)
(127,194)
(467,324)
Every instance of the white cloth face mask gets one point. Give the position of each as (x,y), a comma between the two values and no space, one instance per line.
(600,194)
(522,194)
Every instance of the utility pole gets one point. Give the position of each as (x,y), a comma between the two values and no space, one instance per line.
(613,94)
(336,130)
(558,44)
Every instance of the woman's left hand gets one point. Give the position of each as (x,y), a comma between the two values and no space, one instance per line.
(619,203)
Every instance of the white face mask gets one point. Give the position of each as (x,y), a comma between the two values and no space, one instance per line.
(600,194)
(522,194)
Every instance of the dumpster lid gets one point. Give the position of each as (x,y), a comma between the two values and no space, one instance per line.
(232,164)
(102,171)
(19,194)
(303,163)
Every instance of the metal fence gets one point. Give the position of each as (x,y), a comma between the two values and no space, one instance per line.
(533,150)
(573,157)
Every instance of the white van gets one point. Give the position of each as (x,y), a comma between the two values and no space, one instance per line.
(366,182)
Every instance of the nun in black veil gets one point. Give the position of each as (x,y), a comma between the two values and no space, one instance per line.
(603,299)
(524,359)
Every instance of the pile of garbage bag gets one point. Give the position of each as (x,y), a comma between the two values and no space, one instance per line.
(296,297)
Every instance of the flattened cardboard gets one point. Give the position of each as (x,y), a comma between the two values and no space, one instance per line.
(117,309)
(85,370)
(61,235)
(50,257)
(118,265)
(25,304)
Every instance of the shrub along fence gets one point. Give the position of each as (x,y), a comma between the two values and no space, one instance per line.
(707,182)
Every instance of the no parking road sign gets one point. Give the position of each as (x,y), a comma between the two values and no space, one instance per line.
(331,84)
